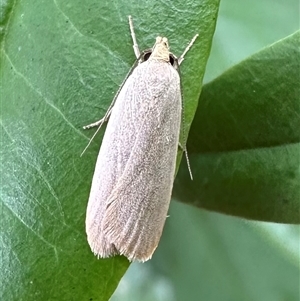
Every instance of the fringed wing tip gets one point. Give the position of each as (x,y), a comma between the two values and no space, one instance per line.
(111,251)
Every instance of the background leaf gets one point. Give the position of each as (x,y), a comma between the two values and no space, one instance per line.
(61,63)
(245,139)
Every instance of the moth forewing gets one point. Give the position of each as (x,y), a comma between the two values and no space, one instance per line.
(134,173)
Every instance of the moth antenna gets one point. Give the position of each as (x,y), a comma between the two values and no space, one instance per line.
(135,44)
(181,58)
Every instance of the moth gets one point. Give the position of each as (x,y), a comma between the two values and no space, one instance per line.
(133,178)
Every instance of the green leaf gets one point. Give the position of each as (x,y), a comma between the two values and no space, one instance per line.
(245,260)
(244,141)
(61,63)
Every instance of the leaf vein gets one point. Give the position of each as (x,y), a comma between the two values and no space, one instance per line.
(44,98)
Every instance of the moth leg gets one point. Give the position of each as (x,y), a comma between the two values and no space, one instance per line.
(187,159)
(180,146)
(135,44)
(181,58)
(99,122)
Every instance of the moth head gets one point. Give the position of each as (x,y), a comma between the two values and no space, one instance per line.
(160,51)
